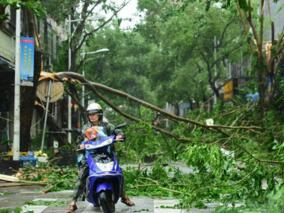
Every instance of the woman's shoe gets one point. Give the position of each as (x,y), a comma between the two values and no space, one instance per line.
(72,207)
(127,201)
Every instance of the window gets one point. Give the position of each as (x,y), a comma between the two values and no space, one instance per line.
(8,19)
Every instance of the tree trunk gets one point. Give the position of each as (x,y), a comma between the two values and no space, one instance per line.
(27,102)
(28,95)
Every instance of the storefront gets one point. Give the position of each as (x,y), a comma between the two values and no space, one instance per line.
(7,54)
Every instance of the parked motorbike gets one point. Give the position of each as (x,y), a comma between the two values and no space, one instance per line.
(104,183)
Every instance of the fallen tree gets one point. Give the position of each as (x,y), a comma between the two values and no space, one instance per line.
(229,131)
(255,154)
(71,77)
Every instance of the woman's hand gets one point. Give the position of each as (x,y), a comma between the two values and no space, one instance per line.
(119,138)
(80,148)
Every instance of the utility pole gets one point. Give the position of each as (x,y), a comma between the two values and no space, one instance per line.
(83,73)
(16,137)
(69,69)
(46,113)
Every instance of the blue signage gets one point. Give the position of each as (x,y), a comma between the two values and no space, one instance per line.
(27,60)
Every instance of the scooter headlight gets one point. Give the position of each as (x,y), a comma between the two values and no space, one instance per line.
(105,167)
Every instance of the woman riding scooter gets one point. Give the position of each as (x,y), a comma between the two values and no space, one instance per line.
(95,117)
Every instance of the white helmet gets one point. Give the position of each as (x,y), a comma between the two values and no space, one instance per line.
(94,108)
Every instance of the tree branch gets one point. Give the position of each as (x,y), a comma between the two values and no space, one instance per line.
(100,26)
(257,159)
(180,139)
(249,19)
(63,76)
(224,31)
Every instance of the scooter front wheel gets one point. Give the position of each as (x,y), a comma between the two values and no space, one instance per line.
(105,198)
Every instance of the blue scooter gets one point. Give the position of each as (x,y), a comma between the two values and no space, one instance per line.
(104,183)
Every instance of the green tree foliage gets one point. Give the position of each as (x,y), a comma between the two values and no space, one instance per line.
(185,43)
(34,5)
(170,56)
(59,10)
(124,66)
(267,54)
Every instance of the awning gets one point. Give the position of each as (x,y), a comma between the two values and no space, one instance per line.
(6,65)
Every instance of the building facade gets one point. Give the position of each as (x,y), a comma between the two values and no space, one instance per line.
(50,35)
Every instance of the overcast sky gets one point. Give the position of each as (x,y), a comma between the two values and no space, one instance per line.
(129,12)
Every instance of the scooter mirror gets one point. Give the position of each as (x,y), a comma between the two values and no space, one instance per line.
(121,126)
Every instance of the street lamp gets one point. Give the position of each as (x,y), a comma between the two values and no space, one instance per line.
(83,54)
(94,52)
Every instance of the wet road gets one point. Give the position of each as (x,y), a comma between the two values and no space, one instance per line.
(56,202)
(30,198)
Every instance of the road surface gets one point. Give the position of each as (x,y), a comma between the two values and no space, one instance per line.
(31,198)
